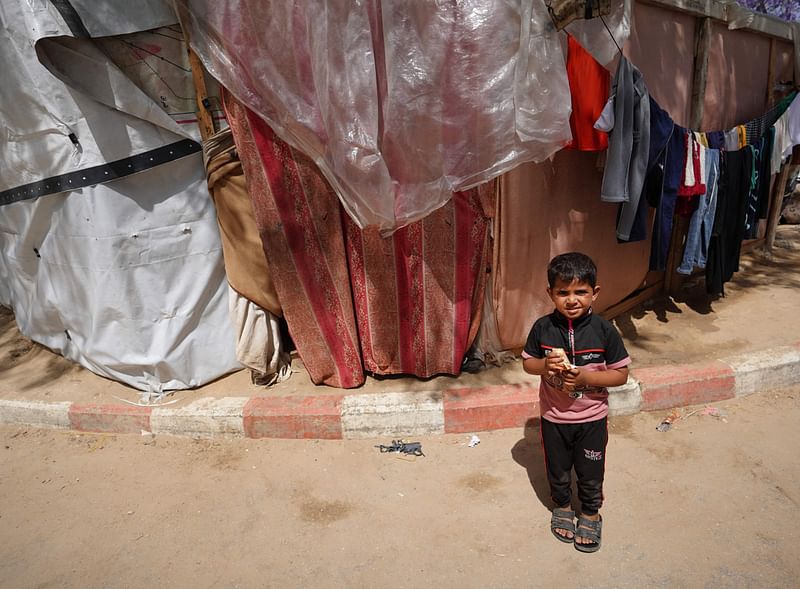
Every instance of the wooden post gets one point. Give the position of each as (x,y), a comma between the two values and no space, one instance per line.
(775,206)
(702,48)
(205,119)
(770,74)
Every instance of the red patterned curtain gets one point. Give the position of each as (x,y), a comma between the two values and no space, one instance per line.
(354,301)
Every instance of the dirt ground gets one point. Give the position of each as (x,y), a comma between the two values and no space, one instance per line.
(711,503)
(759,311)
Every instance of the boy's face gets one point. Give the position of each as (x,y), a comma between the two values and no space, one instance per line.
(573,299)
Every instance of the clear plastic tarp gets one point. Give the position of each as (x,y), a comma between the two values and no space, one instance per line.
(399,102)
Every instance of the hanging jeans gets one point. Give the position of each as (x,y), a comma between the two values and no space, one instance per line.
(702,222)
(673,173)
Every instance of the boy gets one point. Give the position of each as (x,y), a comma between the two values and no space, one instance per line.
(573,397)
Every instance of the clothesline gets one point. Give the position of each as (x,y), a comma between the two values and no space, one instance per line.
(720,180)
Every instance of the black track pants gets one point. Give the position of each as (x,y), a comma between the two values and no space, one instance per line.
(578,445)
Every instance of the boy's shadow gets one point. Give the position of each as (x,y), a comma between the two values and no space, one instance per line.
(529,454)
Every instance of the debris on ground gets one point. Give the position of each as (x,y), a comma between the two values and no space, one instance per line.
(715,412)
(670,420)
(474,441)
(401,447)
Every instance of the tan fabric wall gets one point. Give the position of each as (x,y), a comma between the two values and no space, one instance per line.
(547,209)
(661,45)
(738,71)
(737,78)
(554,207)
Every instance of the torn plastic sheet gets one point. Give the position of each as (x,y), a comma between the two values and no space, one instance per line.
(597,40)
(399,103)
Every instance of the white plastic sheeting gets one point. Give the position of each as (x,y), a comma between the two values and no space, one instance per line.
(604,38)
(124,277)
(399,102)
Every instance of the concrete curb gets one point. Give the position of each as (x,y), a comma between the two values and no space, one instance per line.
(404,414)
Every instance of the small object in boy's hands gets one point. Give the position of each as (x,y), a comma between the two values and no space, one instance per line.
(562,356)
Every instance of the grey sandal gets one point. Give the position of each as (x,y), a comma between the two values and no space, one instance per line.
(563,519)
(589,529)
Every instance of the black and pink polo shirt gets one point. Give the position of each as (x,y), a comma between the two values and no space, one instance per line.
(591,343)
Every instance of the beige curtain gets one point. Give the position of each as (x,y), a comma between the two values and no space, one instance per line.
(547,209)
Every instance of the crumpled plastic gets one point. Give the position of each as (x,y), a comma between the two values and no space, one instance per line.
(399,102)
(604,43)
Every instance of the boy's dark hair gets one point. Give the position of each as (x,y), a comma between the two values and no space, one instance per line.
(570,266)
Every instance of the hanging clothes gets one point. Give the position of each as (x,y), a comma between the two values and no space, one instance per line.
(701,224)
(731,140)
(694,168)
(626,117)
(758,196)
(765,172)
(661,126)
(781,142)
(589,86)
(716,139)
(259,344)
(756,127)
(729,220)
(793,127)
(245,262)
(741,134)
(673,173)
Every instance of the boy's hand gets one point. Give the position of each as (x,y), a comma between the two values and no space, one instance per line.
(554,364)
(573,378)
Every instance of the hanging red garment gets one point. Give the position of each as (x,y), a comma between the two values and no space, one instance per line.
(589,84)
(353,300)
(693,183)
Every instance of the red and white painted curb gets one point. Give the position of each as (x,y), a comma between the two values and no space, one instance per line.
(399,414)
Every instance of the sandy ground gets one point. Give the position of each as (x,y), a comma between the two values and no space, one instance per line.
(758,312)
(711,503)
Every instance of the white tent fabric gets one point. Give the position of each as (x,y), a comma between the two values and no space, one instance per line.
(109,246)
